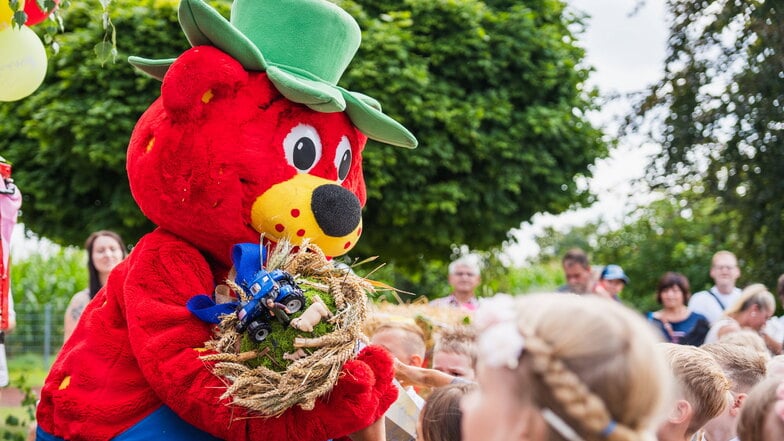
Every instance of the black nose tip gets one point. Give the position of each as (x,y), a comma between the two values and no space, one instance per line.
(337,210)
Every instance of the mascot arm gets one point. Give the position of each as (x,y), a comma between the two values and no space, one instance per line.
(168,341)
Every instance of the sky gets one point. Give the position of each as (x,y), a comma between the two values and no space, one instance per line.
(626,47)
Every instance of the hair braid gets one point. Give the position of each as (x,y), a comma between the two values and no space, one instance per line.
(568,390)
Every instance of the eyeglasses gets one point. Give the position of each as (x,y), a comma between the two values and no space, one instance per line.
(724,267)
(461,274)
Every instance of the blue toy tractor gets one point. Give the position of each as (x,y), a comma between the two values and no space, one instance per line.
(275,287)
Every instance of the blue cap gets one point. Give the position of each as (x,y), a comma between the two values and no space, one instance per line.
(614,272)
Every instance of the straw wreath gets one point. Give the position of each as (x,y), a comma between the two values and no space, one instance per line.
(255,376)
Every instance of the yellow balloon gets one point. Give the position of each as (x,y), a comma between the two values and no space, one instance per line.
(6,14)
(22,63)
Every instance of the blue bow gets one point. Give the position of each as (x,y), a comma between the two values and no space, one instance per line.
(248,259)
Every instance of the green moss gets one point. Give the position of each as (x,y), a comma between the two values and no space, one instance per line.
(281,339)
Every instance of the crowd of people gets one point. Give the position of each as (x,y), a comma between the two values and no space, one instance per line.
(572,365)
(686,318)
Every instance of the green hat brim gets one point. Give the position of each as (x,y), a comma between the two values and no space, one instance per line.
(203,25)
(365,113)
(317,95)
(154,68)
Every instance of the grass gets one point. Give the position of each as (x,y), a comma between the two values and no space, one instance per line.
(26,371)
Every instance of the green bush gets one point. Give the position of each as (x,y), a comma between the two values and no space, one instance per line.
(40,282)
(49,277)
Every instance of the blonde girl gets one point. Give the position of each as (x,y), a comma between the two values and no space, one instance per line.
(751,311)
(567,368)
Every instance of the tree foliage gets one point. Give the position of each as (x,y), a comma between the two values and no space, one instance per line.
(493,90)
(67,141)
(719,114)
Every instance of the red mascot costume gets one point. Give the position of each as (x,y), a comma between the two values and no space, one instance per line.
(251,136)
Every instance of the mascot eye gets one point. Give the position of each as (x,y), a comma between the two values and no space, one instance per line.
(343,159)
(302,147)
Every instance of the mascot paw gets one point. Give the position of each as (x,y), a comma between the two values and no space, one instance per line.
(365,390)
(380,362)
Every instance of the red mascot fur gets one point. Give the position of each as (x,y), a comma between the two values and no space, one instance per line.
(221,157)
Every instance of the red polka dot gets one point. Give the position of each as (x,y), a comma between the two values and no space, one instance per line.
(347,245)
(295,213)
(300,233)
(359,232)
(295,250)
(279,228)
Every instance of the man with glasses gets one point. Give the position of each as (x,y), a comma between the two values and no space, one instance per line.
(464,278)
(725,273)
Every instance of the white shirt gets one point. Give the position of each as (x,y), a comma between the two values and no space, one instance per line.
(412,393)
(704,303)
(775,328)
(713,333)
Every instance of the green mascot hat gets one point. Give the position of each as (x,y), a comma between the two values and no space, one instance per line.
(304,46)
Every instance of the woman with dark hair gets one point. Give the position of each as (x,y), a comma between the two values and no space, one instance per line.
(676,322)
(105,249)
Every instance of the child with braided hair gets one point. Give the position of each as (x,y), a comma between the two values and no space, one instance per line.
(564,368)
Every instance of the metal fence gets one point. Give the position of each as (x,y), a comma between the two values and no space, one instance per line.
(39,330)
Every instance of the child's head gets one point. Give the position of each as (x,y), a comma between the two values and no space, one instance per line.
(702,389)
(554,364)
(762,415)
(744,368)
(455,352)
(747,338)
(439,419)
(403,339)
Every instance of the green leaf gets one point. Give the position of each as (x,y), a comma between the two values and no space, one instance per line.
(20,17)
(105,52)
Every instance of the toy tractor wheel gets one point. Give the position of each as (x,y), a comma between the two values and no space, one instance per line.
(294,302)
(258,331)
